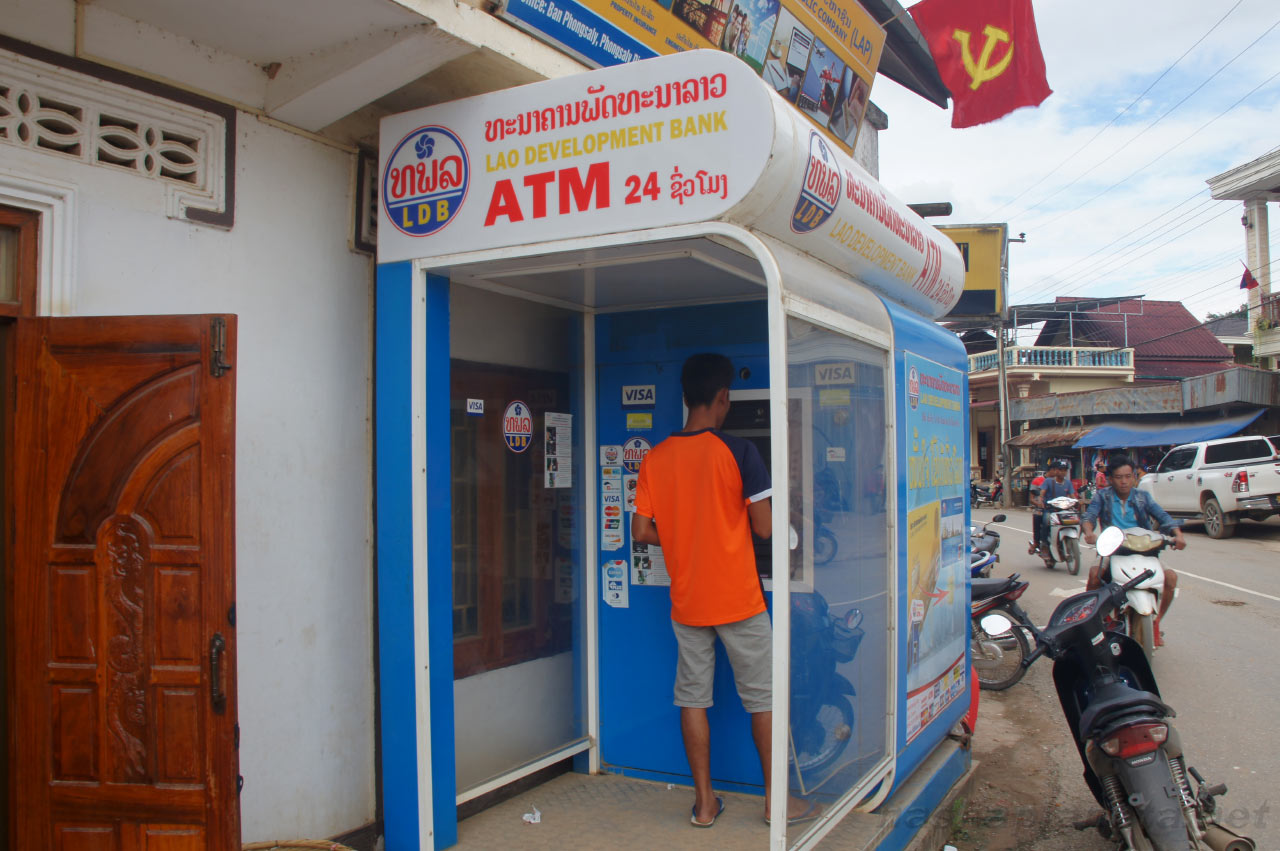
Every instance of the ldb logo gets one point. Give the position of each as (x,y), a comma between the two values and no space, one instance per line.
(633,452)
(517,426)
(821,188)
(426,181)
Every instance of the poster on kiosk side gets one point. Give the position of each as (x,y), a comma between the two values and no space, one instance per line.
(938,613)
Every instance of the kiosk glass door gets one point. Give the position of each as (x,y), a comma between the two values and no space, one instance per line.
(516,477)
(839,733)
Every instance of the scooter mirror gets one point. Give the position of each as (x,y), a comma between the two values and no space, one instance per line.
(999,518)
(1110,540)
(793,538)
(995,624)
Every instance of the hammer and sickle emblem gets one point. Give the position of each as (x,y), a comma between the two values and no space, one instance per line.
(981,71)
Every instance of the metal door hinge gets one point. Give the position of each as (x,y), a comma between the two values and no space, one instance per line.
(231,615)
(218,365)
(236,731)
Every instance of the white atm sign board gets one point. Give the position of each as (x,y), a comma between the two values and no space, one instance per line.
(609,151)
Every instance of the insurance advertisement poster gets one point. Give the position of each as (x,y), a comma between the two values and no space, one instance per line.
(938,615)
(820,55)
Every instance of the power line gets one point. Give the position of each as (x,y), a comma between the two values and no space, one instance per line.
(1168,151)
(1163,116)
(991,216)
(1125,256)
(1136,257)
(1126,233)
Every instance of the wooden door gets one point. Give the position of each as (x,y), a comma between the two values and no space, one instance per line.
(509,528)
(122,585)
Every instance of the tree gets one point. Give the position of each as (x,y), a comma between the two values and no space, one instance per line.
(1239,311)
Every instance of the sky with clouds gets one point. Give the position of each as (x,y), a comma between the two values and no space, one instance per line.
(1127,212)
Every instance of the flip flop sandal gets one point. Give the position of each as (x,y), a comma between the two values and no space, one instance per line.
(811,813)
(693,815)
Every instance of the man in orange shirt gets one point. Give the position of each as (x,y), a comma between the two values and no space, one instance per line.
(701,493)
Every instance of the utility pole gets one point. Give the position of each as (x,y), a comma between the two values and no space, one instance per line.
(1003,379)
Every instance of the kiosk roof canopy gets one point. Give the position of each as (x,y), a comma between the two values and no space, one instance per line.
(624,277)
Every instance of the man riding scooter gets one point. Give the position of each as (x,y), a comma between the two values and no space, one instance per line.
(1055,484)
(1125,506)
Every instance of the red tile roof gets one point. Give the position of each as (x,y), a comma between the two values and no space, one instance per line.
(1151,327)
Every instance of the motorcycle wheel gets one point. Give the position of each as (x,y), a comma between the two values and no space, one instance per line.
(835,721)
(1073,556)
(824,547)
(1142,630)
(998,673)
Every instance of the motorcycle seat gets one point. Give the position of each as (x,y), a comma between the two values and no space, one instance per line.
(1120,701)
(985,589)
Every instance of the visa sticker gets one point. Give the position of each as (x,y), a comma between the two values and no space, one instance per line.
(475,407)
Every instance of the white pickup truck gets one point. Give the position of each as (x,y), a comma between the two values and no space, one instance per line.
(1218,481)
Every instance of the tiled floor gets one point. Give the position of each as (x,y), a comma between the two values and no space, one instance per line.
(611,811)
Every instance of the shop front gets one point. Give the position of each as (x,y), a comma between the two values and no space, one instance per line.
(549,256)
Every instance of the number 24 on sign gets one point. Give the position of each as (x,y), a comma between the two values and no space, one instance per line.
(700,183)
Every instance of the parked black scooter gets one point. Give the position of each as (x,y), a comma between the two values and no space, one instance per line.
(1133,757)
(983,539)
(821,697)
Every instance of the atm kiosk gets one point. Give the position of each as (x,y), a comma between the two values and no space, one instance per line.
(548,257)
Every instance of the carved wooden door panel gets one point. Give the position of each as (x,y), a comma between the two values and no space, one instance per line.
(123,584)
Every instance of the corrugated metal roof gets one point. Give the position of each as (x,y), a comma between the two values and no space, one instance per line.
(1053,436)
(1151,327)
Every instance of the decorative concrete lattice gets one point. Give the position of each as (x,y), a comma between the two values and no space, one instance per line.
(61,112)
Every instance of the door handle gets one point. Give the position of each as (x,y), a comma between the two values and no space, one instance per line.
(217,694)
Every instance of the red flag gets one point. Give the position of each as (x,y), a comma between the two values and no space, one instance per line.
(987,53)
(1247,280)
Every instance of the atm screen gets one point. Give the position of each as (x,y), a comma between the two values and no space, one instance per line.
(748,418)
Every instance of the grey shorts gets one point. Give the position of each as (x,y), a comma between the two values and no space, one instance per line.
(749,644)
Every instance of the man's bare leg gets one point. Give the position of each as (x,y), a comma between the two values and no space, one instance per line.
(697,748)
(1095,578)
(1166,599)
(762,732)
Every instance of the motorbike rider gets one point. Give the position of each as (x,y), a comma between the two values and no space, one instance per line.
(1055,484)
(1125,506)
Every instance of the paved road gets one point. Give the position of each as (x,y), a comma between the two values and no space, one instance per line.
(1218,668)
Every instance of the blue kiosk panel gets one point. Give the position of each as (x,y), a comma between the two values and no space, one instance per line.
(931,374)
(639,725)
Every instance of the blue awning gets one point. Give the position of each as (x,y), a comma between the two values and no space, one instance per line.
(1118,435)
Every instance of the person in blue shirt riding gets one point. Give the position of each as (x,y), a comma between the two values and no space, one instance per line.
(1055,484)
(1125,506)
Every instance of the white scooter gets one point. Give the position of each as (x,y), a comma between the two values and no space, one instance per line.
(1140,552)
(1064,534)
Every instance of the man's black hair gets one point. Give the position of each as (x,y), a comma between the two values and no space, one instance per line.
(1057,463)
(1115,462)
(703,376)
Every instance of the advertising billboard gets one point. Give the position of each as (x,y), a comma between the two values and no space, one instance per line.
(819,55)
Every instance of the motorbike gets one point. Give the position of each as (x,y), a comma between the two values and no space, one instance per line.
(1138,552)
(1134,762)
(989,494)
(980,564)
(1063,539)
(997,657)
(821,697)
(983,539)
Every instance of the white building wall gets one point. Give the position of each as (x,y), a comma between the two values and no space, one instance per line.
(303,442)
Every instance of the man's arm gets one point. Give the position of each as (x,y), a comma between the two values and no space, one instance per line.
(644,530)
(1091,517)
(761,516)
(1168,525)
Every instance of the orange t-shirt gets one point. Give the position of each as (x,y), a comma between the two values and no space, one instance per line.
(696,486)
